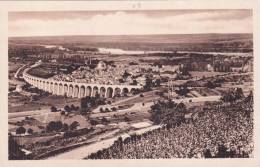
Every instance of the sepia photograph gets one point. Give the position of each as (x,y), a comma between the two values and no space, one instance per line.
(130,84)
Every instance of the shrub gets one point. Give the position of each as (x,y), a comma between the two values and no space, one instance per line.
(113,109)
(30,131)
(101,110)
(20,130)
(53,109)
(74,125)
(107,110)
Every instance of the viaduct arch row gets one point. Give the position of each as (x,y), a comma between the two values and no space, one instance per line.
(77,90)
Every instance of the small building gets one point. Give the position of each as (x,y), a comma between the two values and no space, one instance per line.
(18,88)
(54,61)
(101,65)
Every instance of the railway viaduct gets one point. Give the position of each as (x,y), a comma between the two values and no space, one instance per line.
(77,90)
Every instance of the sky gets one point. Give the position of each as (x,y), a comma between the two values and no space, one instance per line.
(129,22)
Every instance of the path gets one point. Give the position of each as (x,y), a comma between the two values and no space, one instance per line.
(84,151)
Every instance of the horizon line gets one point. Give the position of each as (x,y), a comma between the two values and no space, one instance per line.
(123,35)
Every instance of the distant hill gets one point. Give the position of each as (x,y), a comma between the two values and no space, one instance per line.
(197,42)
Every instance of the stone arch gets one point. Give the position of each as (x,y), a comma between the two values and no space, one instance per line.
(125,91)
(70,91)
(109,92)
(35,83)
(51,87)
(39,84)
(60,89)
(56,87)
(82,91)
(102,92)
(95,91)
(43,85)
(76,91)
(66,90)
(133,91)
(47,84)
(117,92)
(88,91)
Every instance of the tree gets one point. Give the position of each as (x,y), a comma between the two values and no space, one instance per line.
(210,85)
(101,110)
(207,154)
(157,82)
(67,108)
(84,111)
(134,82)
(72,107)
(222,152)
(77,108)
(74,125)
(93,122)
(65,127)
(58,125)
(183,90)
(30,131)
(113,108)
(250,97)
(233,95)
(84,102)
(104,120)
(54,126)
(148,84)
(53,109)
(62,112)
(107,110)
(20,130)
(168,112)
(181,108)
(14,150)
(126,119)
(239,93)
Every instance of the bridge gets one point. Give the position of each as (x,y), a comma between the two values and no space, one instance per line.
(77,90)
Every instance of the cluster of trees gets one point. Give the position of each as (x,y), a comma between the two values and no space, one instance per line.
(67,109)
(22,130)
(23,51)
(212,85)
(54,109)
(88,103)
(168,112)
(56,126)
(184,73)
(102,110)
(233,95)
(183,91)
(14,150)
(71,108)
(149,83)
(103,120)
(78,132)
(133,63)
(36,90)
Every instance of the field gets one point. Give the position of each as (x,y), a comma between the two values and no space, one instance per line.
(45,103)
(201,74)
